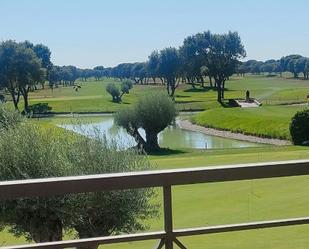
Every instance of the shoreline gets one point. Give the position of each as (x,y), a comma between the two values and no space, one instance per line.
(85,114)
(187,125)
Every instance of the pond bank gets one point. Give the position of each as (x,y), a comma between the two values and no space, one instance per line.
(187,125)
(90,114)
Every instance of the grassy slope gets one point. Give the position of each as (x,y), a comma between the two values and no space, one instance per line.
(209,204)
(268,121)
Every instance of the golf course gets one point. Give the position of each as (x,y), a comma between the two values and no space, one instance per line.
(222,203)
(154,124)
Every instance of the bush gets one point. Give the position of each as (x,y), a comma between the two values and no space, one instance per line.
(40,108)
(299,128)
(8,118)
(29,151)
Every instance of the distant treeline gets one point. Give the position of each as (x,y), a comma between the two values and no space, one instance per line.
(202,56)
(295,64)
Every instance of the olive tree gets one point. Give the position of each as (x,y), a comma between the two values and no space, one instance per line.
(152,112)
(117,93)
(28,151)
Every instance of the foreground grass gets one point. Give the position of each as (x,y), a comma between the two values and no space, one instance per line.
(232,202)
(269,121)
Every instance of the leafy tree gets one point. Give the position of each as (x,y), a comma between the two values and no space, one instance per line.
(222,57)
(152,65)
(113,90)
(299,128)
(117,94)
(287,63)
(52,153)
(144,114)
(166,63)
(20,69)
(220,53)
(192,62)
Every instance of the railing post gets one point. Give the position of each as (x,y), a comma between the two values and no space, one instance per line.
(168,217)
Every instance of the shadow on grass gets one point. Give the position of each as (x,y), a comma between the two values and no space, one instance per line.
(182,96)
(167,152)
(199,90)
(186,102)
(206,89)
(121,102)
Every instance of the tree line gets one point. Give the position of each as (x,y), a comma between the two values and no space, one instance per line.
(295,64)
(24,66)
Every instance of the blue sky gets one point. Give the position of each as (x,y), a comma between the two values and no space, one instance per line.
(86,33)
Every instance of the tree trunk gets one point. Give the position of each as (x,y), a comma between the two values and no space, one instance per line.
(14,99)
(222,90)
(210,81)
(168,88)
(51,231)
(26,100)
(152,144)
(219,90)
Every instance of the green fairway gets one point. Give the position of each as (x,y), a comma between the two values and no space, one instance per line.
(268,121)
(220,203)
(92,96)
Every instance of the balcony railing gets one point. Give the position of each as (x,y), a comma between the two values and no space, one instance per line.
(159,178)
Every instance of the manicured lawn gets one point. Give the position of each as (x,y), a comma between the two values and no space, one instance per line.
(220,203)
(92,96)
(268,121)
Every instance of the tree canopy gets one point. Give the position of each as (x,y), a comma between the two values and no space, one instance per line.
(20,69)
(28,151)
(153,113)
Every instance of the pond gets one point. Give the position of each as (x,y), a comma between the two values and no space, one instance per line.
(172,137)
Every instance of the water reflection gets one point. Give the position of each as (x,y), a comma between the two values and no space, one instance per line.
(171,137)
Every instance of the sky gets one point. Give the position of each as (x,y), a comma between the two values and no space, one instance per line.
(86,33)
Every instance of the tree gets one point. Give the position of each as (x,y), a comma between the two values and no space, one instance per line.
(152,65)
(192,62)
(113,90)
(222,57)
(51,153)
(220,53)
(287,63)
(166,63)
(144,114)
(20,69)
(117,94)
(44,54)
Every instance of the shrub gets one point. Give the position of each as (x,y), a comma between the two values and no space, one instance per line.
(299,128)
(8,118)
(29,151)
(40,108)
